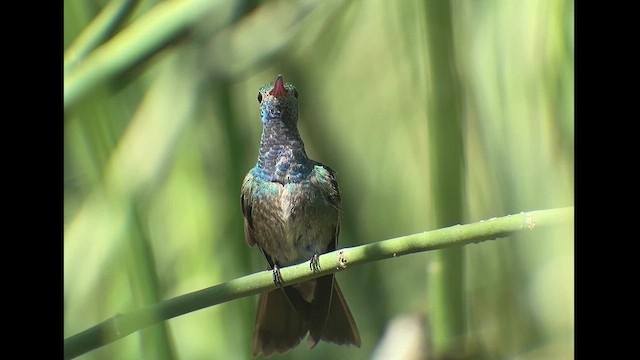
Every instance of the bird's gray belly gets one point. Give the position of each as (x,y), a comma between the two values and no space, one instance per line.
(299,224)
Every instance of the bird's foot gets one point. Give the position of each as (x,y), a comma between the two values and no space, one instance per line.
(277,277)
(314,264)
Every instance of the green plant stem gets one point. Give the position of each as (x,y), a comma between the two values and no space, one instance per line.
(157,27)
(122,325)
(445,288)
(97,31)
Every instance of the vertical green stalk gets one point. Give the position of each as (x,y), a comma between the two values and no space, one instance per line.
(156,341)
(445,282)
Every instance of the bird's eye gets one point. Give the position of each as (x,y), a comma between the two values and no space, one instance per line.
(295,93)
(259,97)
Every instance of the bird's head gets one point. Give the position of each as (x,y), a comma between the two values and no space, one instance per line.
(278,102)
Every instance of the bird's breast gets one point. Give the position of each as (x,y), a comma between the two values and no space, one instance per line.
(295,223)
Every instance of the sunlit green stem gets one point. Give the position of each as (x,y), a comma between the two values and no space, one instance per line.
(445,283)
(122,325)
(133,44)
(97,31)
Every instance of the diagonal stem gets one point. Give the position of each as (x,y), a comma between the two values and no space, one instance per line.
(122,325)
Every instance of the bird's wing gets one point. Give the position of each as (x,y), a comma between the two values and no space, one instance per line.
(327,181)
(245,199)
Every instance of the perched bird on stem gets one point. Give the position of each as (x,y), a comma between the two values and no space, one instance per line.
(291,206)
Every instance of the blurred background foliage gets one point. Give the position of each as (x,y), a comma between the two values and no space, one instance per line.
(161,123)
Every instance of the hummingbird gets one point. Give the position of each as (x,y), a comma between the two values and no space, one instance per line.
(291,207)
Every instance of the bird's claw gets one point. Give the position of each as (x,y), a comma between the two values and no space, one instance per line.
(314,264)
(277,277)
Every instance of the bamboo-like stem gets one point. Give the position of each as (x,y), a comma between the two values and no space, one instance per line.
(445,288)
(98,31)
(134,43)
(122,325)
